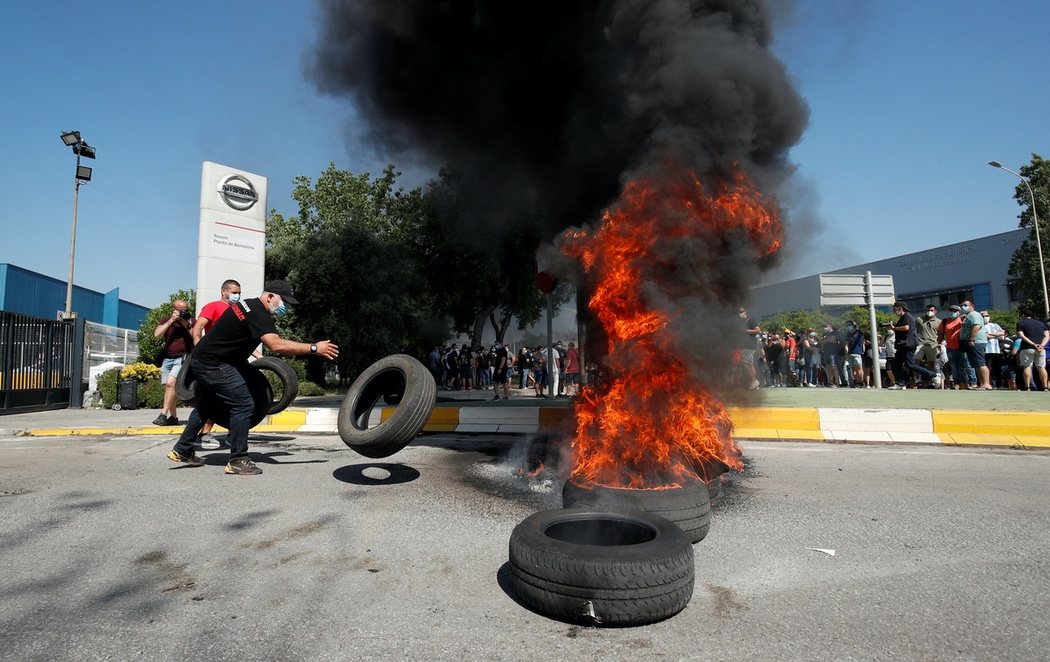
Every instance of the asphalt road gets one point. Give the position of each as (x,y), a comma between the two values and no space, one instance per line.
(109,551)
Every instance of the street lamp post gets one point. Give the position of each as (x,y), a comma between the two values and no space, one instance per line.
(1038,242)
(81,174)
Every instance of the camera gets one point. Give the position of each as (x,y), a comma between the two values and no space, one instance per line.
(186,315)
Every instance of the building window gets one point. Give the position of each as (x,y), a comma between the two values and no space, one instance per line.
(942,299)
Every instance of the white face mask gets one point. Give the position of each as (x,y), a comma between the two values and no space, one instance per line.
(234,298)
(931,313)
(986,318)
(743,315)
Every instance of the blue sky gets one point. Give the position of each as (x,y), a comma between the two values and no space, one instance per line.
(909,100)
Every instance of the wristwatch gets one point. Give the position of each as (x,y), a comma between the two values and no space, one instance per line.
(313,349)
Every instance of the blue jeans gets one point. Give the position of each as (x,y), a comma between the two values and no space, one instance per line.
(523,379)
(812,364)
(904,361)
(962,373)
(225,387)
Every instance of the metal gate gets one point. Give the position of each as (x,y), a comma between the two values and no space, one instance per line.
(40,361)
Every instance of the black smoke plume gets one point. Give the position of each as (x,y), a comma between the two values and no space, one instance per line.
(547,108)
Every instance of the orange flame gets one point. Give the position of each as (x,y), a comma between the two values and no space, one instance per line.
(654,425)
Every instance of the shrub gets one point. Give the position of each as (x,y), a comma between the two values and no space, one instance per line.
(309,388)
(107,386)
(141,372)
(151,395)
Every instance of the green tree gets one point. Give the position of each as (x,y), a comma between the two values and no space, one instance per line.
(1024,266)
(800,320)
(148,345)
(353,254)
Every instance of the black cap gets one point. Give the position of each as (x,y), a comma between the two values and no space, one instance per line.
(901,305)
(282,287)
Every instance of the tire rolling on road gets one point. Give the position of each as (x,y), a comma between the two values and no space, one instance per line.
(398,377)
(601,568)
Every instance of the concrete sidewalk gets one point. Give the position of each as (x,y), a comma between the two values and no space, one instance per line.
(995,418)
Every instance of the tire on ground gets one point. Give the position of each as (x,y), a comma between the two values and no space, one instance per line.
(210,408)
(398,373)
(289,381)
(185,382)
(601,568)
(688,506)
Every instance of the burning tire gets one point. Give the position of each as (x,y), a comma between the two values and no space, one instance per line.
(601,568)
(289,381)
(417,392)
(688,506)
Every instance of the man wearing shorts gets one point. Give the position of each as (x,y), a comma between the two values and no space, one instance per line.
(927,327)
(750,345)
(855,349)
(178,342)
(499,377)
(1033,335)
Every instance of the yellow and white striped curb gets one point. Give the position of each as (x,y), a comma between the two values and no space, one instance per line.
(959,427)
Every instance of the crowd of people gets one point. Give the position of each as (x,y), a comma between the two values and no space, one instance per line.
(466,368)
(964,349)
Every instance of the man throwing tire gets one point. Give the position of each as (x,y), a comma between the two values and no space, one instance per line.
(219,361)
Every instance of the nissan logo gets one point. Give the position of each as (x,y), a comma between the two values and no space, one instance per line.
(237,192)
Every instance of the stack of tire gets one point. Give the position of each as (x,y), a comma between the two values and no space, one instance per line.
(611,557)
(258,385)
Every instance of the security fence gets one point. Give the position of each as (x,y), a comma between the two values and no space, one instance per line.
(40,363)
(109,344)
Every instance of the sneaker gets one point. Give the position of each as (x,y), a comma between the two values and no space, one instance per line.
(190,460)
(172,420)
(495,397)
(161,420)
(242,466)
(936,381)
(207,442)
(753,386)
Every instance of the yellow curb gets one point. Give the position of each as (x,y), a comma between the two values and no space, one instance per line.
(70,432)
(993,424)
(288,417)
(775,418)
(442,419)
(1008,440)
(779,434)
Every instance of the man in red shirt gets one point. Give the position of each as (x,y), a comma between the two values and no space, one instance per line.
(948,333)
(230,292)
(572,371)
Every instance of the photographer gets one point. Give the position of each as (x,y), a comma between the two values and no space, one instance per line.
(178,341)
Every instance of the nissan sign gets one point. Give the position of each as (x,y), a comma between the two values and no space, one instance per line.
(237,192)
